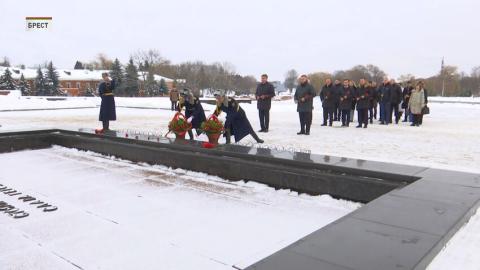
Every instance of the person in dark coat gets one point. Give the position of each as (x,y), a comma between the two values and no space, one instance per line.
(193,110)
(264,94)
(384,99)
(328,98)
(107,107)
(346,96)
(362,95)
(395,99)
(406,93)
(372,105)
(337,112)
(354,100)
(236,122)
(304,95)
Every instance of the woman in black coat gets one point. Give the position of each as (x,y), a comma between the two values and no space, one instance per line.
(236,123)
(107,106)
(193,110)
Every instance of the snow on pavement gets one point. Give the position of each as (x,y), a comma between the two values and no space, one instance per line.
(115,214)
(462,250)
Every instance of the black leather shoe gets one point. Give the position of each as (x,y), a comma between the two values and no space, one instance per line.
(301,133)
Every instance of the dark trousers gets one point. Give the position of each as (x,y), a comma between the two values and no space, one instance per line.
(174,105)
(264,116)
(336,112)
(394,110)
(386,112)
(371,114)
(362,117)
(416,119)
(328,115)
(305,121)
(105,124)
(407,115)
(345,117)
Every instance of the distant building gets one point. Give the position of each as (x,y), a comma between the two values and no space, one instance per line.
(78,82)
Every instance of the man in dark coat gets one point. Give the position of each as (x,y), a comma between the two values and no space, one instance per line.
(304,95)
(264,94)
(337,112)
(395,99)
(362,95)
(407,91)
(372,106)
(346,96)
(328,98)
(193,110)
(384,99)
(107,106)
(236,122)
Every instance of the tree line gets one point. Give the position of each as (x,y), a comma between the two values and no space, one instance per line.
(198,75)
(448,80)
(195,75)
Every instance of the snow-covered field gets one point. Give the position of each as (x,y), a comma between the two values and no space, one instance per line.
(113,214)
(447,140)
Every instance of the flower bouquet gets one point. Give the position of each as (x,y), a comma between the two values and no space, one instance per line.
(179,125)
(213,128)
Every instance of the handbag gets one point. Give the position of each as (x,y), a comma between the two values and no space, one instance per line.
(426,110)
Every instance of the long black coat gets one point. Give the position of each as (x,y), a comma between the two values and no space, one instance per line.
(362,95)
(346,98)
(236,120)
(306,92)
(373,98)
(395,94)
(328,96)
(406,93)
(267,90)
(194,109)
(384,91)
(107,106)
(337,88)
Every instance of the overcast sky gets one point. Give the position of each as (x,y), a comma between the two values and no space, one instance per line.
(256,36)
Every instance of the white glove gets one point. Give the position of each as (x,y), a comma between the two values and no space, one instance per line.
(189,120)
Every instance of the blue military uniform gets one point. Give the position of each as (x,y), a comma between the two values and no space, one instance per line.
(107,106)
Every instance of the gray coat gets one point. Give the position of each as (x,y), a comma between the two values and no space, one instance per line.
(306,92)
(417,101)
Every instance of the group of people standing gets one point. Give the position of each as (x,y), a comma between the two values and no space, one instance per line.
(340,100)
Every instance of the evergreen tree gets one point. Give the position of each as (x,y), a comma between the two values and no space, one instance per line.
(6,81)
(78,65)
(40,83)
(117,74)
(5,62)
(131,79)
(23,86)
(52,81)
(163,87)
(151,87)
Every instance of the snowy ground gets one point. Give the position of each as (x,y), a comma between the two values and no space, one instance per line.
(114,214)
(447,140)
(462,250)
